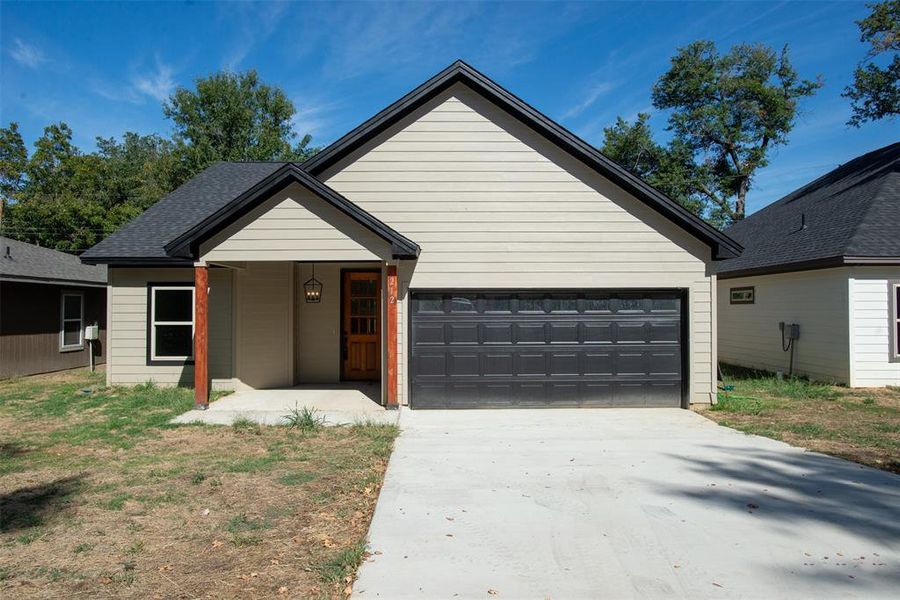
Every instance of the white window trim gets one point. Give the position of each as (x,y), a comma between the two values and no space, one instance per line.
(62,322)
(154,322)
(893,320)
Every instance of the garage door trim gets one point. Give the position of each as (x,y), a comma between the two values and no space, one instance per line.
(683,295)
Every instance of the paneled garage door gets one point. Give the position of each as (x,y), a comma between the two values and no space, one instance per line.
(545,349)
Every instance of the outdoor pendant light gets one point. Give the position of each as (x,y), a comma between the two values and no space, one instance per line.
(313,288)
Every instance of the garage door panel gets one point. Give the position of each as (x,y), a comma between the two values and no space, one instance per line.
(564,333)
(497,333)
(546,349)
(462,333)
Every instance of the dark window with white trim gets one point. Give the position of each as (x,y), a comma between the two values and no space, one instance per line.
(171,322)
(894,319)
(71,321)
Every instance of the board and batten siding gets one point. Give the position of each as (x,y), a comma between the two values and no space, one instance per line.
(495,205)
(127,336)
(870,327)
(818,300)
(294,225)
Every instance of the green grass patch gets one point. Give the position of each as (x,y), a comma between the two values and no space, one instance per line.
(304,418)
(296,478)
(242,523)
(117,502)
(339,566)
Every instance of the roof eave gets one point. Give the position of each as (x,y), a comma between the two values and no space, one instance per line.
(811,265)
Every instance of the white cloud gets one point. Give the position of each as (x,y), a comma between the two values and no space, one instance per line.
(594,94)
(157,84)
(27,54)
(257,23)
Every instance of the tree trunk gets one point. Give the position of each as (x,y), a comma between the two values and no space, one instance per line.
(740,201)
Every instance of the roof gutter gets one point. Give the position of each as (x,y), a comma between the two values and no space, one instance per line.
(809,265)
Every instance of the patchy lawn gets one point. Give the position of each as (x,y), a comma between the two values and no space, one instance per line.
(862,425)
(99,496)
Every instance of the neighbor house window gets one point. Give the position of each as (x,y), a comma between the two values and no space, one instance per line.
(71,321)
(894,319)
(743,295)
(171,322)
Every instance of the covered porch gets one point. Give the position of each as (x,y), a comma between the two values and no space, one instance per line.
(312,294)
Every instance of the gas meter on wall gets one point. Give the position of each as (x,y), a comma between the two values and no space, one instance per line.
(92,332)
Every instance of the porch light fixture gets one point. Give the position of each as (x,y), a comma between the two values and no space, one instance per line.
(313,288)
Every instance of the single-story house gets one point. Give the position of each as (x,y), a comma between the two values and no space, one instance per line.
(826,259)
(47,299)
(459,247)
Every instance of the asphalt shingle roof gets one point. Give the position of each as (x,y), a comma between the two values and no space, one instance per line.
(145,237)
(28,261)
(852,211)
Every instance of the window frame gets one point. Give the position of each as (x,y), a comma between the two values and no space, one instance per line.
(152,358)
(746,288)
(62,321)
(893,321)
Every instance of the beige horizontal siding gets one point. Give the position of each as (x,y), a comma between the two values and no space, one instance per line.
(127,362)
(818,301)
(293,225)
(494,205)
(870,327)
(264,322)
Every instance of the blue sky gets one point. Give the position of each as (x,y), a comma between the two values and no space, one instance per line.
(105,68)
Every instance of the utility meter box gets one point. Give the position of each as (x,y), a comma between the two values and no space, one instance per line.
(92,332)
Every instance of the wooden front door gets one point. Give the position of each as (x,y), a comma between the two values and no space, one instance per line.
(361,326)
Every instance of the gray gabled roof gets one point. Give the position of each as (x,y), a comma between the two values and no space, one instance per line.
(144,238)
(27,262)
(850,215)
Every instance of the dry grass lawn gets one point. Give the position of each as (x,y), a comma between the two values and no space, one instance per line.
(99,497)
(862,425)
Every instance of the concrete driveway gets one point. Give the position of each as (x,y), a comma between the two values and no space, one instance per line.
(623,503)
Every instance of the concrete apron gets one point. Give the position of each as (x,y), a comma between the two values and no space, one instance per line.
(623,503)
(336,405)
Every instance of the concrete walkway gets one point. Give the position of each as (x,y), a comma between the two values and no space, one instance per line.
(623,503)
(336,404)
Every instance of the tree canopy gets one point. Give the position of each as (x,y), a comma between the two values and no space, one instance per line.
(63,198)
(725,112)
(875,91)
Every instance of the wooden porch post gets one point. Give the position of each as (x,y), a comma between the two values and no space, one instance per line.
(392,289)
(201,340)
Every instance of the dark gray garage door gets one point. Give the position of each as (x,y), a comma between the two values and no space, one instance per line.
(545,349)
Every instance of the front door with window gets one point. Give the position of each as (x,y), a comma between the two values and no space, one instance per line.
(361,326)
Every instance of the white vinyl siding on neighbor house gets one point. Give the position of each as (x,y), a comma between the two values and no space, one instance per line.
(494,205)
(127,322)
(818,300)
(873,318)
(294,225)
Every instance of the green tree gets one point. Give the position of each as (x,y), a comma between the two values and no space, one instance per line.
(729,111)
(875,92)
(13,160)
(669,169)
(234,116)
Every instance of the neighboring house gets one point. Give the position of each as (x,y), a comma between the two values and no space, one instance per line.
(827,258)
(459,247)
(46,300)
